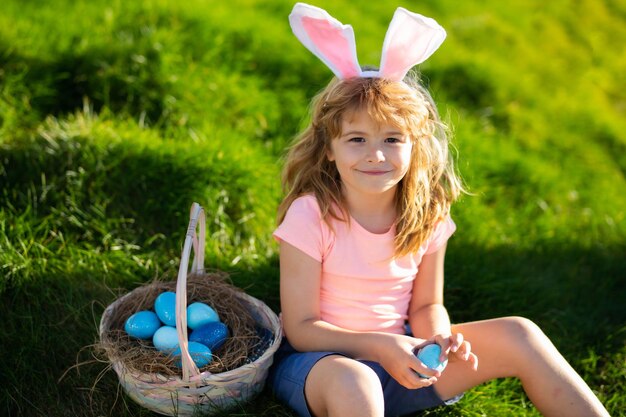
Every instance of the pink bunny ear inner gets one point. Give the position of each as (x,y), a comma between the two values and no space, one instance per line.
(327,38)
(410,40)
(335,49)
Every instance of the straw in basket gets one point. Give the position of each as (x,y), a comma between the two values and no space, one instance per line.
(194,390)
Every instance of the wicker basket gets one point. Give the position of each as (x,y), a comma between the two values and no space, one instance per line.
(194,391)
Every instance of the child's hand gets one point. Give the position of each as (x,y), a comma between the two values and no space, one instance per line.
(455,348)
(395,353)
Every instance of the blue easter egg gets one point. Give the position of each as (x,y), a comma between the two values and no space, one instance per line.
(429,356)
(142,324)
(165,339)
(165,307)
(200,354)
(212,334)
(199,314)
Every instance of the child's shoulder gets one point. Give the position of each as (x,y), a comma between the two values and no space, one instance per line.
(303,220)
(304,207)
(309,207)
(305,204)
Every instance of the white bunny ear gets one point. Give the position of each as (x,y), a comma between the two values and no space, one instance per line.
(328,39)
(410,40)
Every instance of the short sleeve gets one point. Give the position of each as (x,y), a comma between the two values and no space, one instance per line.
(303,227)
(440,236)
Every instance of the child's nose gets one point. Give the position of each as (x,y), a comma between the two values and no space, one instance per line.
(376,155)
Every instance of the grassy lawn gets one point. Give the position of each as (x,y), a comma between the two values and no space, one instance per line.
(116,116)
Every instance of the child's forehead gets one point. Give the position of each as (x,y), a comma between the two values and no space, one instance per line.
(364,116)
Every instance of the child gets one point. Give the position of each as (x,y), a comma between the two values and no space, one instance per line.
(363,232)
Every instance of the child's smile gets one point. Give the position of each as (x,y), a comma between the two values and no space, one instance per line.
(371,158)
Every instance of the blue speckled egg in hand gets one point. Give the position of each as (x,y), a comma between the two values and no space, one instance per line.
(165,307)
(200,354)
(142,325)
(199,314)
(165,339)
(212,334)
(429,356)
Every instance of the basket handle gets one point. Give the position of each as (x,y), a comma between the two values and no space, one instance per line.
(198,240)
(196,218)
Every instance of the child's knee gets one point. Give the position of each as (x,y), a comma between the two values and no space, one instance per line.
(345,377)
(521,328)
(338,382)
(354,378)
(524,340)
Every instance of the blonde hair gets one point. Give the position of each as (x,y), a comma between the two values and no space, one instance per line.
(426,192)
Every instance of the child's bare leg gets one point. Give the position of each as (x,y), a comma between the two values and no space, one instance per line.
(514,346)
(341,387)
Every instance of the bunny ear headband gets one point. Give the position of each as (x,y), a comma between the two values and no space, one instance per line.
(410,40)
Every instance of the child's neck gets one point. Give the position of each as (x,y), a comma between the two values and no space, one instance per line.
(376,213)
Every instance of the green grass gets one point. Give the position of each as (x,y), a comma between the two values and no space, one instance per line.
(116,116)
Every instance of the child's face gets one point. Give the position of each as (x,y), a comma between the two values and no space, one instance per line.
(370,158)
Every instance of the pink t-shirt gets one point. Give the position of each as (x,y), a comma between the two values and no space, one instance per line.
(362,287)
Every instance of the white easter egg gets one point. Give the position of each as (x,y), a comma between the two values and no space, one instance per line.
(165,339)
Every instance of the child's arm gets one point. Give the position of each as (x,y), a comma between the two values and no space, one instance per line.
(300,277)
(428,316)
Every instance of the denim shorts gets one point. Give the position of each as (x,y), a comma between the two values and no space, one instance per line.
(291,368)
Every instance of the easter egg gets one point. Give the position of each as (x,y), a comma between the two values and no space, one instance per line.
(165,339)
(165,307)
(199,314)
(429,356)
(142,324)
(212,334)
(200,354)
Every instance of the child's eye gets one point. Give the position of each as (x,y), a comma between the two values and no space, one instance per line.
(393,140)
(356,139)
